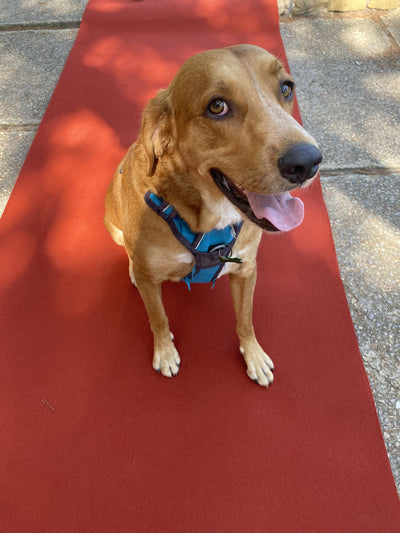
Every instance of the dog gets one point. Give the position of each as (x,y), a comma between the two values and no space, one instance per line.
(218,152)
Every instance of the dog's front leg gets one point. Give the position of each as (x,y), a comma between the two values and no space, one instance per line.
(259,365)
(166,358)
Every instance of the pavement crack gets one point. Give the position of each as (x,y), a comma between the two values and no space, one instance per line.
(29,126)
(366,171)
(48,25)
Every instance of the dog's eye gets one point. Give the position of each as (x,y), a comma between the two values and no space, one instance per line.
(218,107)
(287,90)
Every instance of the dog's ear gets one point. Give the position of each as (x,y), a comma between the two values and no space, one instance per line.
(158,129)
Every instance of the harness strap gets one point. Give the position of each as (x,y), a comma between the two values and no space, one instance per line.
(206,248)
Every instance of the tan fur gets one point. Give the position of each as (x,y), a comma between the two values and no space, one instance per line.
(177,145)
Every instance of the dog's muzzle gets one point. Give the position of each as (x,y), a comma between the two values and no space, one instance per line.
(275,212)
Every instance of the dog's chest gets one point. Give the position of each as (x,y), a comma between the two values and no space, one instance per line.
(228,215)
(207,253)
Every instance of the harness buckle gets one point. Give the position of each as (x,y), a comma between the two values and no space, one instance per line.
(226,255)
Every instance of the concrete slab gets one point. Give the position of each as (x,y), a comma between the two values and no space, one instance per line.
(365,218)
(347,72)
(23,12)
(14,145)
(391,21)
(31,65)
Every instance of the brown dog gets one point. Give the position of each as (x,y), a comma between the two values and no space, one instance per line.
(218,148)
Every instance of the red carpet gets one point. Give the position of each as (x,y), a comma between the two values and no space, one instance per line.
(92,439)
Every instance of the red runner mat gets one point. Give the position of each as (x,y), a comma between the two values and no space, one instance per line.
(92,439)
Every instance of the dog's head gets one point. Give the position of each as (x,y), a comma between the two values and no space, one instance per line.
(227,118)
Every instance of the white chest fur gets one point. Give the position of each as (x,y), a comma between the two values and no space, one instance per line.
(228,214)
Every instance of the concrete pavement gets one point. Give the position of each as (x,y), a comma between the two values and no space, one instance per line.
(347,69)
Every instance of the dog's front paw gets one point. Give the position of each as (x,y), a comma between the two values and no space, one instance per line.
(166,360)
(259,366)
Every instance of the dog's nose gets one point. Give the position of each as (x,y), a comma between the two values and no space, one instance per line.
(300,162)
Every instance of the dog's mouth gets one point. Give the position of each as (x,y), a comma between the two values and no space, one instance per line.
(271,212)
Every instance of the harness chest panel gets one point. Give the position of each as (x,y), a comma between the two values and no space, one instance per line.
(210,250)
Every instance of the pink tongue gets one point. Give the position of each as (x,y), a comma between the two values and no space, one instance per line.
(284,211)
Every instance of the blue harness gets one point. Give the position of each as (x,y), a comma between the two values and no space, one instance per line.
(210,250)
